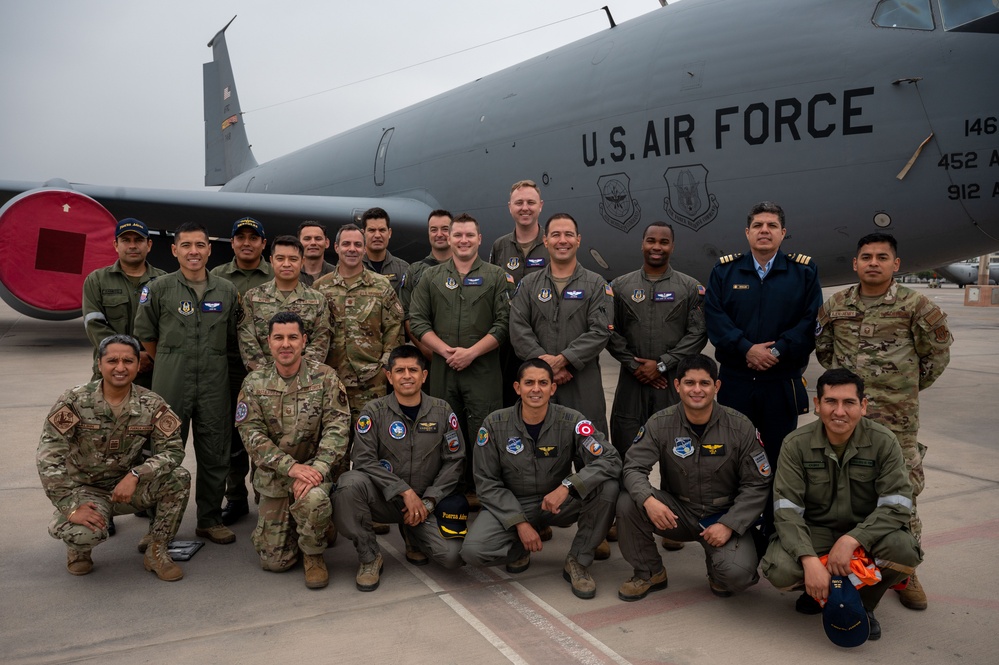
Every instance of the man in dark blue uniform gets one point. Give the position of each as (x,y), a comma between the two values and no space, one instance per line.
(760,309)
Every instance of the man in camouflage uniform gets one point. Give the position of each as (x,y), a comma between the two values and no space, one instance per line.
(897,340)
(293,416)
(564,315)
(408,455)
(461,311)
(524,474)
(376,257)
(247,270)
(91,466)
(285,293)
(439,230)
(368,320)
(111,295)
(315,242)
(187,322)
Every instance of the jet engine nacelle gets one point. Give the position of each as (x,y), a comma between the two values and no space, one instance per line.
(50,240)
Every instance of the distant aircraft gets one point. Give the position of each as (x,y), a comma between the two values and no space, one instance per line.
(963,274)
(854,116)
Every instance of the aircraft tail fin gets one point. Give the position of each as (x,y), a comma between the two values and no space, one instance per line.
(227,150)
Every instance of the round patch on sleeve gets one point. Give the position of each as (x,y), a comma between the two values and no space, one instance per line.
(641,433)
(385,464)
(584,428)
(363,424)
(483,437)
(452,420)
(241,412)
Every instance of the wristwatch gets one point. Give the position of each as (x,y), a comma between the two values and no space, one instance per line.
(429,505)
(136,474)
(661,367)
(567,484)
(774,352)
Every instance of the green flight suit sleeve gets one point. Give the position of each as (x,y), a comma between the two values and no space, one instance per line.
(754,484)
(695,335)
(94,320)
(147,316)
(638,463)
(522,336)
(617,344)
(364,456)
(452,467)
(894,506)
(597,461)
(789,503)
(420,309)
(500,328)
(489,486)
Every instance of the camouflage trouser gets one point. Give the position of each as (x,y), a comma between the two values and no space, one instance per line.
(357,398)
(284,528)
(914,452)
(168,495)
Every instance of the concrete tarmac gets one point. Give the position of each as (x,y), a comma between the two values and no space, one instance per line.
(228,610)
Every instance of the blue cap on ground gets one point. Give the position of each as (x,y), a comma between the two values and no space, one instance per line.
(844,617)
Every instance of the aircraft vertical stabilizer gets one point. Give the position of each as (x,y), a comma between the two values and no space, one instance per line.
(227,150)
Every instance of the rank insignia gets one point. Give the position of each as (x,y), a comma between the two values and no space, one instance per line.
(186,308)
(594,447)
(536,263)
(453,443)
(514,446)
(363,424)
(241,412)
(584,428)
(144,295)
(545,295)
(451,283)
(452,420)
(545,451)
(762,463)
(713,449)
(483,437)
(513,263)
(641,433)
(397,429)
(638,295)
(740,287)
(683,447)
(385,464)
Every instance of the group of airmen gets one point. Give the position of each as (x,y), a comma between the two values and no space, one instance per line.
(370,392)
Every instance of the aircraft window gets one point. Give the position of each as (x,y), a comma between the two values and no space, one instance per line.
(911,14)
(958,12)
(380,156)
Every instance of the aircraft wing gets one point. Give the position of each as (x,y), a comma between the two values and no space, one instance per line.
(53,234)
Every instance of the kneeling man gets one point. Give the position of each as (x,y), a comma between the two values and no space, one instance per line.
(91,464)
(841,484)
(408,455)
(524,477)
(293,418)
(715,478)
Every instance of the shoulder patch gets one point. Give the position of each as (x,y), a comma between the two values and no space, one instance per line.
(241,412)
(608,290)
(64,419)
(364,424)
(641,433)
(166,420)
(762,463)
(144,295)
(584,428)
(483,437)
(594,446)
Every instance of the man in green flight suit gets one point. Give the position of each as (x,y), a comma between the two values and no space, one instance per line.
(187,322)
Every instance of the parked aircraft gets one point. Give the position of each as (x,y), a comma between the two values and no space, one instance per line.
(854,116)
(963,274)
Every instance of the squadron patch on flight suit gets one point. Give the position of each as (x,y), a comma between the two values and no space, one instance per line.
(241,412)
(397,430)
(144,295)
(483,437)
(641,433)
(594,446)
(638,295)
(545,295)
(363,424)
(385,464)
(584,428)
(64,419)
(167,421)
(186,308)
(451,283)
(683,447)
(514,445)
(513,263)
(452,420)
(453,442)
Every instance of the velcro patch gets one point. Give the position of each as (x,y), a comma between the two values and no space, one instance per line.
(713,449)
(241,412)
(64,419)
(762,463)
(813,465)
(594,446)
(453,442)
(426,427)
(546,451)
(584,428)
(862,462)
(166,420)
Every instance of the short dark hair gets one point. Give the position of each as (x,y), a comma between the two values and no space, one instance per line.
(699,361)
(440,212)
(375,213)
(189,227)
(127,340)
(288,241)
(839,377)
(561,215)
(348,227)
(406,351)
(872,238)
(536,363)
(465,218)
(659,224)
(765,206)
(285,317)
(312,222)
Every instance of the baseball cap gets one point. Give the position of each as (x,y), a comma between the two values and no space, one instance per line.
(452,516)
(131,225)
(248,223)
(844,617)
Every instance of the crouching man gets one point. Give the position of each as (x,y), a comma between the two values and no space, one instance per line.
(90,461)
(715,480)
(524,477)
(408,456)
(292,417)
(841,484)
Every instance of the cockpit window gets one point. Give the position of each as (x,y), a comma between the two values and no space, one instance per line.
(911,14)
(956,13)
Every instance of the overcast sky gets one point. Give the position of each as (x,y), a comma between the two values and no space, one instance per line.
(110,92)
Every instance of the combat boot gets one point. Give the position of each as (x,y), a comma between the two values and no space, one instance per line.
(520,565)
(316,576)
(413,553)
(369,575)
(78,562)
(579,577)
(637,588)
(157,560)
(913,596)
(603,551)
